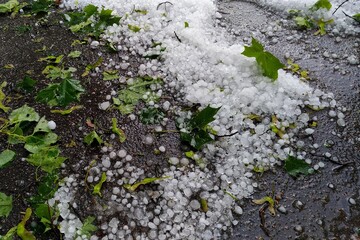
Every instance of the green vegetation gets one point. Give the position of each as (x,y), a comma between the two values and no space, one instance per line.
(6,157)
(91,21)
(3,98)
(133,187)
(305,21)
(268,63)
(151,115)
(129,97)
(93,137)
(295,167)
(88,228)
(196,132)
(5,205)
(118,131)
(268,200)
(39,140)
(97,187)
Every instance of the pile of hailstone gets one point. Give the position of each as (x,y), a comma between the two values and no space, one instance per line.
(201,67)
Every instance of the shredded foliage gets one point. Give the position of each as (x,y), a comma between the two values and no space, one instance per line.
(88,228)
(5,205)
(6,157)
(295,167)
(98,186)
(21,230)
(118,131)
(91,137)
(196,132)
(133,93)
(133,187)
(91,20)
(3,97)
(67,111)
(269,200)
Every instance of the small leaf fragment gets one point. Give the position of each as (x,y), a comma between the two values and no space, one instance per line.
(9,6)
(6,156)
(356,17)
(98,186)
(52,59)
(3,97)
(110,75)
(5,205)
(325,4)
(92,67)
(10,234)
(204,205)
(9,66)
(268,200)
(204,117)
(67,111)
(27,84)
(134,28)
(91,137)
(118,131)
(186,24)
(21,230)
(295,167)
(88,228)
(74,54)
(145,181)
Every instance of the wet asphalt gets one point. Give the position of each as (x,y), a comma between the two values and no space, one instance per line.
(325,205)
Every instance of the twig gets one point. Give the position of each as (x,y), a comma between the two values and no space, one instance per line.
(349,16)
(177,37)
(340,6)
(227,135)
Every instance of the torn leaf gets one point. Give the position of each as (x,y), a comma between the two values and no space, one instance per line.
(98,186)
(134,186)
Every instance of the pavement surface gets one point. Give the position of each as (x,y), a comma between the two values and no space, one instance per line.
(319,206)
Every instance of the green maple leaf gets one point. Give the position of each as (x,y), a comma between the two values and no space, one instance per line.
(267,62)
(295,167)
(48,95)
(69,91)
(197,133)
(204,117)
(61,94)
(321,4)
(5,205)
